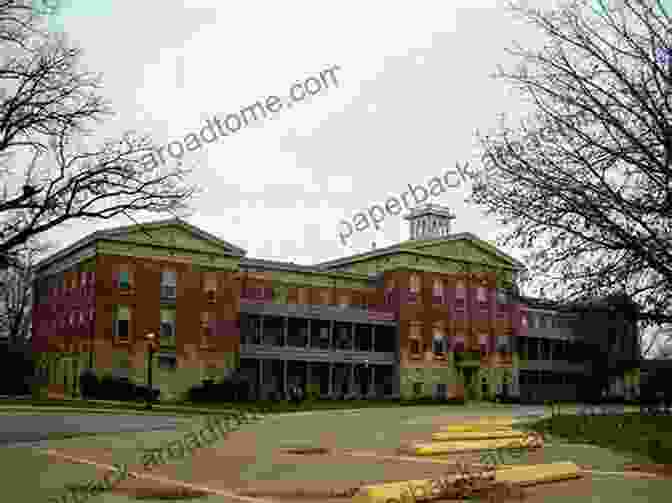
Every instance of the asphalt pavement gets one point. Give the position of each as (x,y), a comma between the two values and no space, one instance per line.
(22,429)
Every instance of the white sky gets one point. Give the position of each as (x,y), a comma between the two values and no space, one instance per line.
(414,87)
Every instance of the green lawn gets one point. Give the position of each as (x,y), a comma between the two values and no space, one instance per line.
(649,436)
(362,429)
(187,408)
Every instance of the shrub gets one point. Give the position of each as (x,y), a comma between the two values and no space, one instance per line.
(229,389)
(88,384)
(312,392)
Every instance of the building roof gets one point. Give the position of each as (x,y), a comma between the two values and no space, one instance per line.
(116,232)
(412,245)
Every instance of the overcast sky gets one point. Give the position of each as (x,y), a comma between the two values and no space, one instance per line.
(414,86)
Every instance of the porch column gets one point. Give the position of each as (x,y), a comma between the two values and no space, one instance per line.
(352,334)
(331,379)
(551,343)
(351,387)
(308,376)
(373,337)
(261,377)
(332,324)
(285,328)
(308,338)
(261,329)
(285,363)
(372,387)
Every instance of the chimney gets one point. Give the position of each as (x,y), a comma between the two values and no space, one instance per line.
(429,222)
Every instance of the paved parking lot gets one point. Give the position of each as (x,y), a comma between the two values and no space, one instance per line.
(22,428)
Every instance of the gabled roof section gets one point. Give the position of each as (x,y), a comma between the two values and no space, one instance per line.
(430,246)
(148,233)
(473,240)
(151,233)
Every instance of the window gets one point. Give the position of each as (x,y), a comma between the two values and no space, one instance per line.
(482,298)
(437,292)
(503,344)
(325,296)
(414,288)
(502,301)
(207,320)
(124,278)
(390,286)
(344,300)
(167,337)
(167,362)
(523,320)
(439,342)
(417,388)
(302,295)
(483,343)
(441,390)
(415,346)
(415,283)
(459,343)
(210,285)
(122,323)
(168,284)
(460,295)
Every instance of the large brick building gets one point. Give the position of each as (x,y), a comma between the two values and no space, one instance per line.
(438,315)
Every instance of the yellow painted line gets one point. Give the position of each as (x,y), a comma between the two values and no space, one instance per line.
(434,448)
(539,474)
(423,489)
(634,474)
(179,483)
(476,427)
(478,435)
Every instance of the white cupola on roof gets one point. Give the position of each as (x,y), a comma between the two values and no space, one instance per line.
(429,221)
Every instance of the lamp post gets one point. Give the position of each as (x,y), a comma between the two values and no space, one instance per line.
(151,349)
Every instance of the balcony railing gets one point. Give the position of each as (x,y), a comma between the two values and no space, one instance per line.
(317,354)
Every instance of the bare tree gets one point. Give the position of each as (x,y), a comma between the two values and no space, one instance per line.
(584,184)
(51,171)
(16,297)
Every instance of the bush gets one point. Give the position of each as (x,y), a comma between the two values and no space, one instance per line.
(312,392)
(113,388)
(88,384)
(234,388)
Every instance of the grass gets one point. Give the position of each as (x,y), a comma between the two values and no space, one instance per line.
(650,436)
(367,429)
(190,408)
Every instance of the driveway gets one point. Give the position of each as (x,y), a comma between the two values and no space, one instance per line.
(20,429)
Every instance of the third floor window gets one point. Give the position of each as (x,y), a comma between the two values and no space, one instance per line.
(210,284)
(168,284)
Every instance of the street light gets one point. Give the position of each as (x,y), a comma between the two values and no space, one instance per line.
(151,349)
